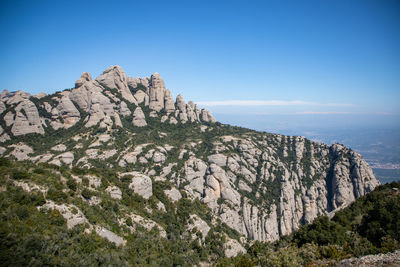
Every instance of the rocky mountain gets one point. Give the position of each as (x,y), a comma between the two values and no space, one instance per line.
(260,185)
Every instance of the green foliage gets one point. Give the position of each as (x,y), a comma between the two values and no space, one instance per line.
(368,226)
(20,175)
(32,236)
(56,195)
(86,193)
(71,183)
(322,232)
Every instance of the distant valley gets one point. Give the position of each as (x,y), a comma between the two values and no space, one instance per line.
(378,143)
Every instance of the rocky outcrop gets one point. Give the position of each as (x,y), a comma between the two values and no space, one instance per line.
(197,224)
(380,260)
(2,107)
(21,151)
(115,78)
(347,165)
(72,214)
(85,77)
(139,118)
(110,236)
(27,119)
(233,248)
(207,116)
(156,92)
(173,194)
(115,192)
(141,184)
(147,224)
(169,104)
(101,101)
(67,110)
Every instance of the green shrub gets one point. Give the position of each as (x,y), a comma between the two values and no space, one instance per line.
(20,175)
(71,183)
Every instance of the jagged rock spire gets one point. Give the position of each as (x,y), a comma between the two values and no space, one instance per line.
(85,77)
(157,91)
(115,78)
(102,100)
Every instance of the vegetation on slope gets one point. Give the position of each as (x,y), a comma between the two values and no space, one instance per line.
(370,225)
(29,236)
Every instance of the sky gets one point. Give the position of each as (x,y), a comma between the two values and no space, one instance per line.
(260,64)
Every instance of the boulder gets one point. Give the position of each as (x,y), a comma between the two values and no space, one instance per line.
(66,158)
(233,248)
(139,119)
(198,224)
(159,157)
(173,194)
(218,159)
(60,148)
(21,151)
(115,192)
(141,185)
(147,224)
(110,236)
(71,213)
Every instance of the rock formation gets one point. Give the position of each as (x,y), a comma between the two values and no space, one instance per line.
(139,119)
(102,102)
(261,185)
(85,77)
(156,92)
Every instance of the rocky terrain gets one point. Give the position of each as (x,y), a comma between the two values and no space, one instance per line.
(260,185)
(389,259)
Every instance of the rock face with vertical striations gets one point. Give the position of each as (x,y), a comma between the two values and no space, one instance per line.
(156,92)
(27,119)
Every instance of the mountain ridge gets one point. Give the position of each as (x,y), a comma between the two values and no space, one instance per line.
(262,186)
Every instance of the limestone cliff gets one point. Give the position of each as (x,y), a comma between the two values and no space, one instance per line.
(261,185)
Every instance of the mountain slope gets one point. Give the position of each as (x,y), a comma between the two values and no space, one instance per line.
(261,185)
(368,226)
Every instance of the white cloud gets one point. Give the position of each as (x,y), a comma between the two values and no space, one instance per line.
(340,112)
(322,112)
(265,103)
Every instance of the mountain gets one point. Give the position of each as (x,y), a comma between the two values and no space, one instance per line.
(115,138)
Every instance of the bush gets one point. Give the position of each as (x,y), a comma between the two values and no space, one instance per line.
(86,193)
(71,183)
(56,195)
(20,175)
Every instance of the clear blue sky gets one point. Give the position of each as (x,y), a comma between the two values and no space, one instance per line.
(299,58)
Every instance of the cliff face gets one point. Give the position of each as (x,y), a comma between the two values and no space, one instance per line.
(262,185)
